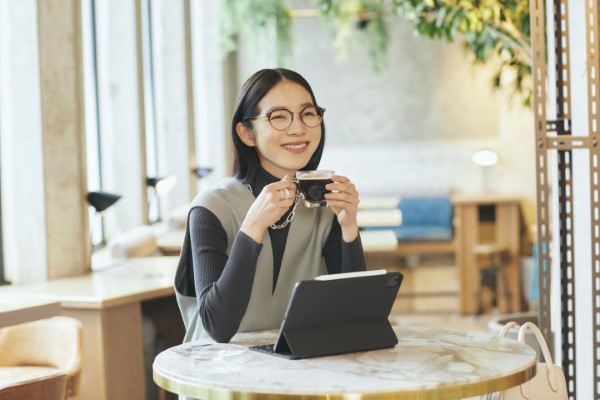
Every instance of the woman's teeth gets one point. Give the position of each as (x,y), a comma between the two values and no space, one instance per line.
(295,146)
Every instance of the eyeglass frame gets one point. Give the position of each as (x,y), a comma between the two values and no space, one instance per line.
(320,113)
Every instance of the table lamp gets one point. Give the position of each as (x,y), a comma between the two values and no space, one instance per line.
(160,186)
(486,159)
(100,201)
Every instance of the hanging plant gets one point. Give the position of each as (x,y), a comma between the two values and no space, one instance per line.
(350,19)
(489,29)
(263,22)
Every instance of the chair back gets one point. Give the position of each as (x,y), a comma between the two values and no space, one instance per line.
(47,387)
(54,342)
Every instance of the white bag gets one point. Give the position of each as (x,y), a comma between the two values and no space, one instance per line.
(548,383)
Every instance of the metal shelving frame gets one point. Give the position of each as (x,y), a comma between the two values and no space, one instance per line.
(556,135)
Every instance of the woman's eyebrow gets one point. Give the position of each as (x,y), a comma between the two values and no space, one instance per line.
(302,106)
(275,108)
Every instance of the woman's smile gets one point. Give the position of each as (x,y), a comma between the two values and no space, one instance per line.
(296,147)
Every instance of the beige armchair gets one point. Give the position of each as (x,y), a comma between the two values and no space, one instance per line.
(41,359)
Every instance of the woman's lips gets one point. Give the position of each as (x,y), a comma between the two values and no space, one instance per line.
(297,147)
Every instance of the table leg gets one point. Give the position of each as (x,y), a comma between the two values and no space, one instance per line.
(467,233)
(113,359)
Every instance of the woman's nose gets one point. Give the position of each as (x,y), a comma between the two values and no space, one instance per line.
(296,127)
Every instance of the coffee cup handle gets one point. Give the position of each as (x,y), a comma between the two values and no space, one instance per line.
(296,181)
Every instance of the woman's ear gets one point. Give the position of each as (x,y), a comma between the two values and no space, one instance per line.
(245,134)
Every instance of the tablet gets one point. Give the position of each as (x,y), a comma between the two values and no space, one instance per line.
(338,314)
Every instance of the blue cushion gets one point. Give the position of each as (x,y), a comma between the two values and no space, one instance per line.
(426,211)
(424,219)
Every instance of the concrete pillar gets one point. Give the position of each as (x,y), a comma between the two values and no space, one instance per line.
(63,138)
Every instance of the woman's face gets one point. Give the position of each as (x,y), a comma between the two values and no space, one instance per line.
(283,152)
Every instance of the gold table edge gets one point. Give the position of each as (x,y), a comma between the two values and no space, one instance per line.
(445,392)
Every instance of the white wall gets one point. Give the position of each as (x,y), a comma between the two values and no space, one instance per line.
(413,128)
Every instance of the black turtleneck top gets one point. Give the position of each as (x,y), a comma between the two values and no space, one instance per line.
(224,283)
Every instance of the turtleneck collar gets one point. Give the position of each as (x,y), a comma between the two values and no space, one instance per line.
(261,179)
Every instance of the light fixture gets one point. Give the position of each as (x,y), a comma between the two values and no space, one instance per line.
(100,201)
(160,186)
(486,159)
(202,172)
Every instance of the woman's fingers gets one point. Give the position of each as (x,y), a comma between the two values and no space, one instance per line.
(342,190)
(283,191)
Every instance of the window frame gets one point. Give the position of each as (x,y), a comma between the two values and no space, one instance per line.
(93,123)
(3,280)
(148,61)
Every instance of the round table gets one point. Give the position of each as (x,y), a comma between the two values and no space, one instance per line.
(427,363)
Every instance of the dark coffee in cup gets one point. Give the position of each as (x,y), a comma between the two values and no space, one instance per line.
(311,186)
(313,189)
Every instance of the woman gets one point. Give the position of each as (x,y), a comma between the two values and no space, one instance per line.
(248,241)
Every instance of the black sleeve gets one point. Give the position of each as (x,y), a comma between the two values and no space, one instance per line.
(223,284)
(341,256)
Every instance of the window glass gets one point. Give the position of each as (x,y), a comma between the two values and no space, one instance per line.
(23,214)
(167,141)
(214,94)
(2,278)
(137,112)
(115,141)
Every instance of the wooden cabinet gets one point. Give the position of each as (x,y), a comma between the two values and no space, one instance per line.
(488,219)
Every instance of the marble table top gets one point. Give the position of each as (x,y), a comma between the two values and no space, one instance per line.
(427,363)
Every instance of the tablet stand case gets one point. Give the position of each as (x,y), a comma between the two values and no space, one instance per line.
(339,316)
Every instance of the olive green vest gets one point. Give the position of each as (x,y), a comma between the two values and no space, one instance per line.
(302,259)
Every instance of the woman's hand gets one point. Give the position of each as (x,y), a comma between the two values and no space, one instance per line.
(343,200)
(270,205)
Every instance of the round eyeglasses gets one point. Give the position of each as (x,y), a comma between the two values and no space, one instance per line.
(282,119)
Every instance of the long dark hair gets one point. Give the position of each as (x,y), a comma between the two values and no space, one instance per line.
(246,161)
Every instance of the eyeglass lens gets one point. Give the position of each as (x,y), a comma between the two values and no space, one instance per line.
(282,119)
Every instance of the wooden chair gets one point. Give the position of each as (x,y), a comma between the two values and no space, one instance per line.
(41,359)
(493,282)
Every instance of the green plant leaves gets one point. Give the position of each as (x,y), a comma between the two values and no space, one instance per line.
(488,28)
